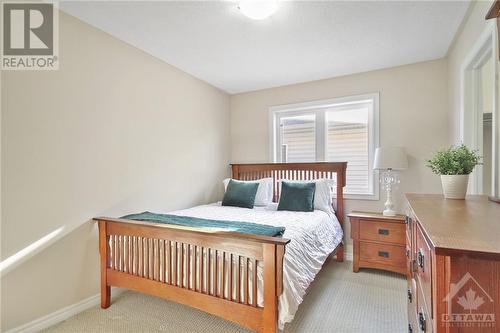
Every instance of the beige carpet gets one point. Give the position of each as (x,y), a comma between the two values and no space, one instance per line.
(337,301)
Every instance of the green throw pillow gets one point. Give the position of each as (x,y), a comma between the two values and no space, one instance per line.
(240,194)
(297,197)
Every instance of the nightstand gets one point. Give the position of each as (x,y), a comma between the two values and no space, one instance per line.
(378,241)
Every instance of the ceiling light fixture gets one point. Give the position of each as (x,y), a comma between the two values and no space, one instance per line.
(258,9)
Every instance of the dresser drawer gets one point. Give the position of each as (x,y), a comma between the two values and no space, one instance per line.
(409,261)
(412,321)
(383,254)
(423,273)
(419,320)
(411,299)
(386,232)
(410,222)
(424,320)
(412,294)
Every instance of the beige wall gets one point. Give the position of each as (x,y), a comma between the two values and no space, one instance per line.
(113,131)
(413,104)
(471,29)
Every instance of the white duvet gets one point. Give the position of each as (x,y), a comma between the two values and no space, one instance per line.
(313,236)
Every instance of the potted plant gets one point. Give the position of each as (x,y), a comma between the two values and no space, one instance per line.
(454,165)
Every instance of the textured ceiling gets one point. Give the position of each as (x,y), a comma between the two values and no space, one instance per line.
(302,41)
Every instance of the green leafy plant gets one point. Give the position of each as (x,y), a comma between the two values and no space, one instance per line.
(458,160)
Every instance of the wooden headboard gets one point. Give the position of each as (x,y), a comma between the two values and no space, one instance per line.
(297,171)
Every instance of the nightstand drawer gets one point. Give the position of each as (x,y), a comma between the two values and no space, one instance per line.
(383,254)
(387,232)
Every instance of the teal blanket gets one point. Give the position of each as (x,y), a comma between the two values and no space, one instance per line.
(187,221)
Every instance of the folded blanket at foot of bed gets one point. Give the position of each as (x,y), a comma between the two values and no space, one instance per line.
(194,222)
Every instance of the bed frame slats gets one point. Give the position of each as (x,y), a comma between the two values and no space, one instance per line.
(213,271)
(299,171)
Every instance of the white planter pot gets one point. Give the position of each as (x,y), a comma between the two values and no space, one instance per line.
(454,186)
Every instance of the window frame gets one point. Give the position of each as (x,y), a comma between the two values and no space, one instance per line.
(317,108)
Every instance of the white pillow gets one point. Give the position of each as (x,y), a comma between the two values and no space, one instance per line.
(264,195)
(322,194)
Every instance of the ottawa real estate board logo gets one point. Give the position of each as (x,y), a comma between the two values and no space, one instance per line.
(469,305)
(29,36)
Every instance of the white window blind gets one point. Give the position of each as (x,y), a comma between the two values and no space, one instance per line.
(348,141)
(341,130)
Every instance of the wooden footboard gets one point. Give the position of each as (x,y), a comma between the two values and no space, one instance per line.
(211,271)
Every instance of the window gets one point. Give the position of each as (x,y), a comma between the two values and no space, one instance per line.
(337,130)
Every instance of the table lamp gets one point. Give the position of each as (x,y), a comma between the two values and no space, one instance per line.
(390,159)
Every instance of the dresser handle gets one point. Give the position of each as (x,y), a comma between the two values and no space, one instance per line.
(421,321)
(384,232)
(420,259)
(408,253)
(383,254)
(410,296)
(410,329)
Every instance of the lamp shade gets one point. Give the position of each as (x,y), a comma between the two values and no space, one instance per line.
(390,158)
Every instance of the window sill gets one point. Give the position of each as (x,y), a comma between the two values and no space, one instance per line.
(369,197)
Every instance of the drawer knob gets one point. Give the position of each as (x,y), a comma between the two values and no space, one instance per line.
(420,259)
(384,232)
(410,296)
(410,329)
(421,321)
(408,253)
(383,254)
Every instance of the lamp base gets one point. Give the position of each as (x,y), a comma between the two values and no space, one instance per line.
(389,178)
(388,212)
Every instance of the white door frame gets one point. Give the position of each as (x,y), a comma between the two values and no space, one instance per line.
(471,135)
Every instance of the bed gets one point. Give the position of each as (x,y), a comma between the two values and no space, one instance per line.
(245,278)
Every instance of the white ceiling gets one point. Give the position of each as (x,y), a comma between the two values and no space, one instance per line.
(302,41)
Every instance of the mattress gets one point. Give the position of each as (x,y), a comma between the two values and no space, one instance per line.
(313,236)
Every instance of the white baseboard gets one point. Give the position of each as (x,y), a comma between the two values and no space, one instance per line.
(348,252)
(62,314)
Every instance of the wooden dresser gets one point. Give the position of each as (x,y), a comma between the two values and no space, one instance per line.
(453,253)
